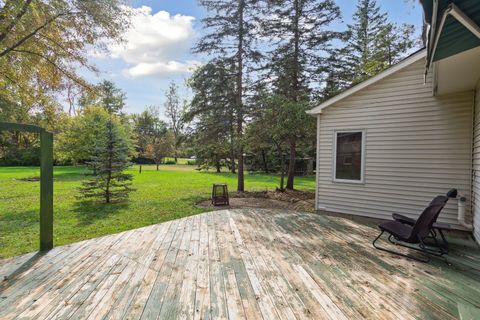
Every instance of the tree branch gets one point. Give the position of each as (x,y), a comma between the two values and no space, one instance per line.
(31,34)
(15,20)
(66,73)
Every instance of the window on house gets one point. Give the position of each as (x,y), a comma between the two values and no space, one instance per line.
(348,161)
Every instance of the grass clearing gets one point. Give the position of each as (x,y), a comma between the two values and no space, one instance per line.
(163,195)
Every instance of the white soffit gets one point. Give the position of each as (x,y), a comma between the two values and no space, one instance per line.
(458,73)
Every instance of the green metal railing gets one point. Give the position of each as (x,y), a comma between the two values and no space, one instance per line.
(46,179)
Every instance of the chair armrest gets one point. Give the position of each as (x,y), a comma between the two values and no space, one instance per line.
(441,226)
(403,219)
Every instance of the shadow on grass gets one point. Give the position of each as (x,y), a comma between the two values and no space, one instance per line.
(69,176)
(88,212)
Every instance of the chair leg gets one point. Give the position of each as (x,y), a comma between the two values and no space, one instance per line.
(444,245)
(425,259)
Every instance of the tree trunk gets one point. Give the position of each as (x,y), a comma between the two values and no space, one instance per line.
(241,182)
(296,54)
(232,139)
(217,166)
(264,159)
(157,165)
(291,166)
(232,165)
(296,91)
(232,158)
(282,171)
(110,155)
(282,165)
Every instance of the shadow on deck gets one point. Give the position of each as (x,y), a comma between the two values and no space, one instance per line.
(250,263)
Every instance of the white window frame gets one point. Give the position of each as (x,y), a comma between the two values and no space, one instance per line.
(334,157)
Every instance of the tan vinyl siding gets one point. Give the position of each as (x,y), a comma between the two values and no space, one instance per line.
(476,167)
(417,146)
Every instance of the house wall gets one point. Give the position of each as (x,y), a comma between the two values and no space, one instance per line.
(476,166)
(417,146)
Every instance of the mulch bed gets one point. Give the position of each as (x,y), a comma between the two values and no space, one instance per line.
(291,200)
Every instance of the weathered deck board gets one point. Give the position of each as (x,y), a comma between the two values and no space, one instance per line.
(239,264)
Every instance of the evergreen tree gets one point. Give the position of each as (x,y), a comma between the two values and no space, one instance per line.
(111,97)
(107,95)
(109,161)
(299,30)
(232,30)
(212,111)
(173,111)
(374,43)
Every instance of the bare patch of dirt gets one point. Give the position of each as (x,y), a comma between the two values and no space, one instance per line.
(291,200)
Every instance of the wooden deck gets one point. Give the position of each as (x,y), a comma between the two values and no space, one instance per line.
(235,264)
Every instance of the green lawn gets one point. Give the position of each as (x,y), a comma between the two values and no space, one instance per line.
(160,196)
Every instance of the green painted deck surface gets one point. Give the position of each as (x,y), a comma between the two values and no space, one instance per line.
(237,264)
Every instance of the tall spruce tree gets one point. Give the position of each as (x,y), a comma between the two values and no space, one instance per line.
(374,42)
(109,161)
(301,37)
(231,27)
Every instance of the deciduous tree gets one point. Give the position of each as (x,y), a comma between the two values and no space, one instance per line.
(174,112)
(44,43)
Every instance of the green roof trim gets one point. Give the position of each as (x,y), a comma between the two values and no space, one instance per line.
(454,27)
(454,38)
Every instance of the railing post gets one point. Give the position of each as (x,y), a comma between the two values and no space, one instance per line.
(46,190)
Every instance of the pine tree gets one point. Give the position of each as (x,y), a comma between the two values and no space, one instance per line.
(212,110)
(111,97)
(374,43)
(108,163)
(300,35)
(232,31)
(107,95)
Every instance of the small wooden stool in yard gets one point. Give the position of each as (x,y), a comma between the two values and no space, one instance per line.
(220,195)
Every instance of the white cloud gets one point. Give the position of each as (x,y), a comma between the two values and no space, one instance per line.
(155,44)
(160,68)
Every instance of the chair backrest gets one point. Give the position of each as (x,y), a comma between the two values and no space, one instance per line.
(440,200)
(424,223)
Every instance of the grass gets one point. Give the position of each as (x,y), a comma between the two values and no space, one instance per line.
(160,196)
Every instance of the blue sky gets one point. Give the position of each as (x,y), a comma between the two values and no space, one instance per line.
(158,50)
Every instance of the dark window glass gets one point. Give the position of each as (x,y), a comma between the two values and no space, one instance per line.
(349,156)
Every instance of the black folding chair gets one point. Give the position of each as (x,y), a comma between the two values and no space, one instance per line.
(437,227)
(413,237)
